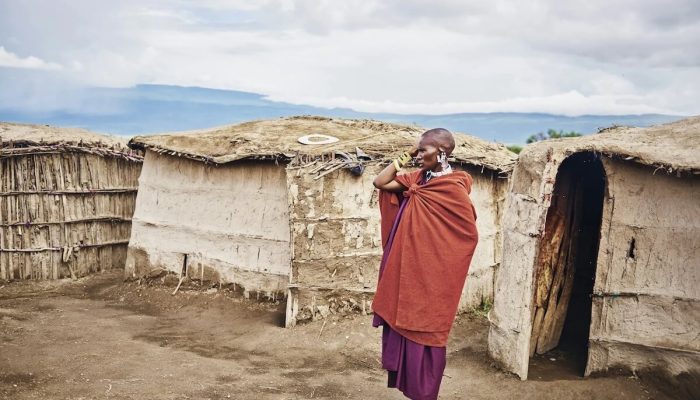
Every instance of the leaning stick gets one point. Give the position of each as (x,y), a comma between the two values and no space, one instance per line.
(331,170)
(318,168)
(322,326)
(178,285)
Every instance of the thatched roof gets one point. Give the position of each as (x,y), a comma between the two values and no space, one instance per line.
(16,139)
(675,146)
(277,139)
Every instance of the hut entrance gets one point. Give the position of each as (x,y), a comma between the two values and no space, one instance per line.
(567,259)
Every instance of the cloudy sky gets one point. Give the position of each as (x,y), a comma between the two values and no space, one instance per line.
(404,56)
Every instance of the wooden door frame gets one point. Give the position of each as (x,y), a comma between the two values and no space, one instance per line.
(559,280)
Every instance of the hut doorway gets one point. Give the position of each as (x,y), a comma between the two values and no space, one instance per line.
(565,269)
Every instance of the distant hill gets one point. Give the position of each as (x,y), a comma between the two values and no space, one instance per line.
(146,109)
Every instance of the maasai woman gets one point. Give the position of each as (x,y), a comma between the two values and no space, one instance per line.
(429,236)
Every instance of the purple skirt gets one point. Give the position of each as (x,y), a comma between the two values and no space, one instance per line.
(414,369)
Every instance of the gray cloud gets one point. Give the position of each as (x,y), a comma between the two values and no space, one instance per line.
(410,55)
(628,31)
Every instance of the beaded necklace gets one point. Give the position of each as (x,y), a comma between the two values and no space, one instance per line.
(430,174)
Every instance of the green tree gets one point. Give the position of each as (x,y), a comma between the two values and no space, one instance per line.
(551,134)
(515,148)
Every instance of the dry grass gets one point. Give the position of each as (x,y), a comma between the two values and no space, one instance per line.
(277,139)
(673,147)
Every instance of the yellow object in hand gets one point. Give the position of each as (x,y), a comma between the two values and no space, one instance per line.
(404,158)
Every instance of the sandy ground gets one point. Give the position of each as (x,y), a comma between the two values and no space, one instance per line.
(101,338)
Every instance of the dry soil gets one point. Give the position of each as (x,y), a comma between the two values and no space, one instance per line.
(102,338)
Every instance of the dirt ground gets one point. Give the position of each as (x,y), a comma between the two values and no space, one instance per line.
(102,338)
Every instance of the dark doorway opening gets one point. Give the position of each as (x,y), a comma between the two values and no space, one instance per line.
(566,269)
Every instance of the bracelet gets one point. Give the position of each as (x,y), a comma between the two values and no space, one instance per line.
(404,158)
(397,165)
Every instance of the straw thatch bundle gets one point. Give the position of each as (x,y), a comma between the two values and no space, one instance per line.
(277,139)
(671,147)
(66,201)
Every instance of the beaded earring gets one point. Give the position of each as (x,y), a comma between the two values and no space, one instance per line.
(442,159)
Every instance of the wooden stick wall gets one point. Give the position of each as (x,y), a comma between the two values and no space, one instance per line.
(64,214)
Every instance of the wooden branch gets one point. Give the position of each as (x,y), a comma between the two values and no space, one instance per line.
(54,192)
(322,326)
(334,168)
(182,278)
(32,149)
(75,221)
(81,246)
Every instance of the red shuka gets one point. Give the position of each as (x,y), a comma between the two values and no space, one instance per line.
(419,290)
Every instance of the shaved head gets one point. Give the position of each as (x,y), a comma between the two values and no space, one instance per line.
(442,138)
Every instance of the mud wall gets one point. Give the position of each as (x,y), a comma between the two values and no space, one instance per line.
(223,223)
(647,287)
(336,240)
(64,214)
(337,244)
(488,195)
(646,304)
(524,213)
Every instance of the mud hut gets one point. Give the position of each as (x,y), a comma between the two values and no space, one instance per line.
(251,206)
(66,201)
(602,252)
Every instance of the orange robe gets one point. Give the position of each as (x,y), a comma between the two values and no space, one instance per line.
(419,290)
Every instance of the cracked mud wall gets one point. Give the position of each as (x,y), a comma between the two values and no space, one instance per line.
(646,304)
(527,200)
(247,223)
(488,196)
(226,223)
(337,244)
(647,289)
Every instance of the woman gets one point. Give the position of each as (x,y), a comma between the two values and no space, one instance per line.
(429,236)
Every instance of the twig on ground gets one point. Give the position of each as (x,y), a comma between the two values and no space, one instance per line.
(322,326)
(178,286)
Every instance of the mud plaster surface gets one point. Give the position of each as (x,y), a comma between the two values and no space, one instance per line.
(233,220)
(337,243)
(650,299)
(104,339)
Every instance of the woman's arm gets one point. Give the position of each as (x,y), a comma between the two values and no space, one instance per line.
(385,179)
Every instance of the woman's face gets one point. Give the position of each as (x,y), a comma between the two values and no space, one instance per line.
(427,153)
